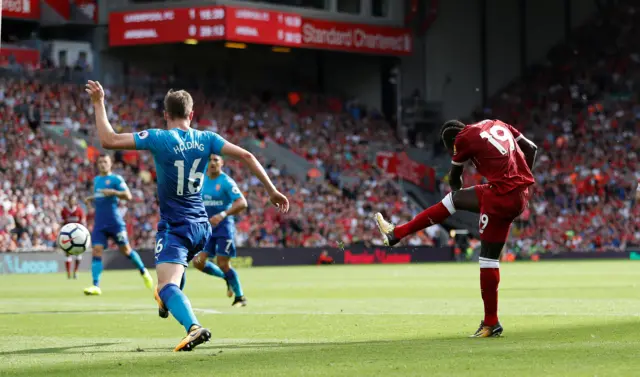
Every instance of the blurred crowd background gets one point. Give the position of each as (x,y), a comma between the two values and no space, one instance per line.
(581,107)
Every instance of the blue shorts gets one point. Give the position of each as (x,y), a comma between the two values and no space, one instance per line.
(100,235)
(179,244)
(222,246)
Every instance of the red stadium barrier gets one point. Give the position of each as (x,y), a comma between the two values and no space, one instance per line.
(22,55)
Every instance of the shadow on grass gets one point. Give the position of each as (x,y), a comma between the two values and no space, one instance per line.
(579,350)
(618,332)
(53,350)
(77,311)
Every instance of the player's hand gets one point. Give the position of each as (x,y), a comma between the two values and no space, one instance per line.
(94,89)
(109,192)
(88,199)
(279,201)
(215,220)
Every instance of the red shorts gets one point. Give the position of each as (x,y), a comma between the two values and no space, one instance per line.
(497,212)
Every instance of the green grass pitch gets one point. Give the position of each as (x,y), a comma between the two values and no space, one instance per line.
(560,319)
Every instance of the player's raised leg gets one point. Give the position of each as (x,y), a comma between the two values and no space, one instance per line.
(96,266)
(464,199)
(171,261)
(489,281)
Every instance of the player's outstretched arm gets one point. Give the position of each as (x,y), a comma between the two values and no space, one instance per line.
(109,139)
(455,177)
(250,161)
(529,149)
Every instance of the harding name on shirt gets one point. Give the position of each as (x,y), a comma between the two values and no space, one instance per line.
(187,146)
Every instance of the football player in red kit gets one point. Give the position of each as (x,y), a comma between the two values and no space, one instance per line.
(72,213)
(505,158)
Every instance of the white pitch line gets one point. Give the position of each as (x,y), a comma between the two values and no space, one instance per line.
(527,314)
(207,311)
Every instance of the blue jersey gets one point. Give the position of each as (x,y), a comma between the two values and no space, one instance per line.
(219,194)
(181,158)
(107,214)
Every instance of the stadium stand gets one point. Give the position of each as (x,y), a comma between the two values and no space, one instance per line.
(581,108)
(579,105)
(35,184)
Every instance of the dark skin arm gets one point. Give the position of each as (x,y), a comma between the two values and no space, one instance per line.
(455,177)
(530,151)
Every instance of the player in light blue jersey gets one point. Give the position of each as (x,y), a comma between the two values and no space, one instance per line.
(180,154)
(222,200)
(108,190)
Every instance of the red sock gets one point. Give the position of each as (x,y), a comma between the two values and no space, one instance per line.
(489,281)
(77,265)
(67,264)
(435,214)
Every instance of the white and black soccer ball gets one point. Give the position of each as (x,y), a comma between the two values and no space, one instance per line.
(74,239)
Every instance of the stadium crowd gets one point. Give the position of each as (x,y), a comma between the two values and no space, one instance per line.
(39,175)
(582,110)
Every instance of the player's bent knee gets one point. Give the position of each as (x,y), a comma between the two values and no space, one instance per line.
(125,250)
(224,263)
(199,262)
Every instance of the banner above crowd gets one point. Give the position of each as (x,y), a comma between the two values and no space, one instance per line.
(248,25)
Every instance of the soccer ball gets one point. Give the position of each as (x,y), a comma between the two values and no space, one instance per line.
(74,239)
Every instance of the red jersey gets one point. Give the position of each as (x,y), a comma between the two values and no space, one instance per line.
(492,146)
(73,215)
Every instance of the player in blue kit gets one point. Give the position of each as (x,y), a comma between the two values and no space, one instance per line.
(108,190)
(180,154)
(222,200)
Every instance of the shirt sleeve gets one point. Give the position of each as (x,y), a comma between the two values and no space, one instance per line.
(461,148)
(120,184)
(517,135)
(146,140)
(233,191)
(216,142)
